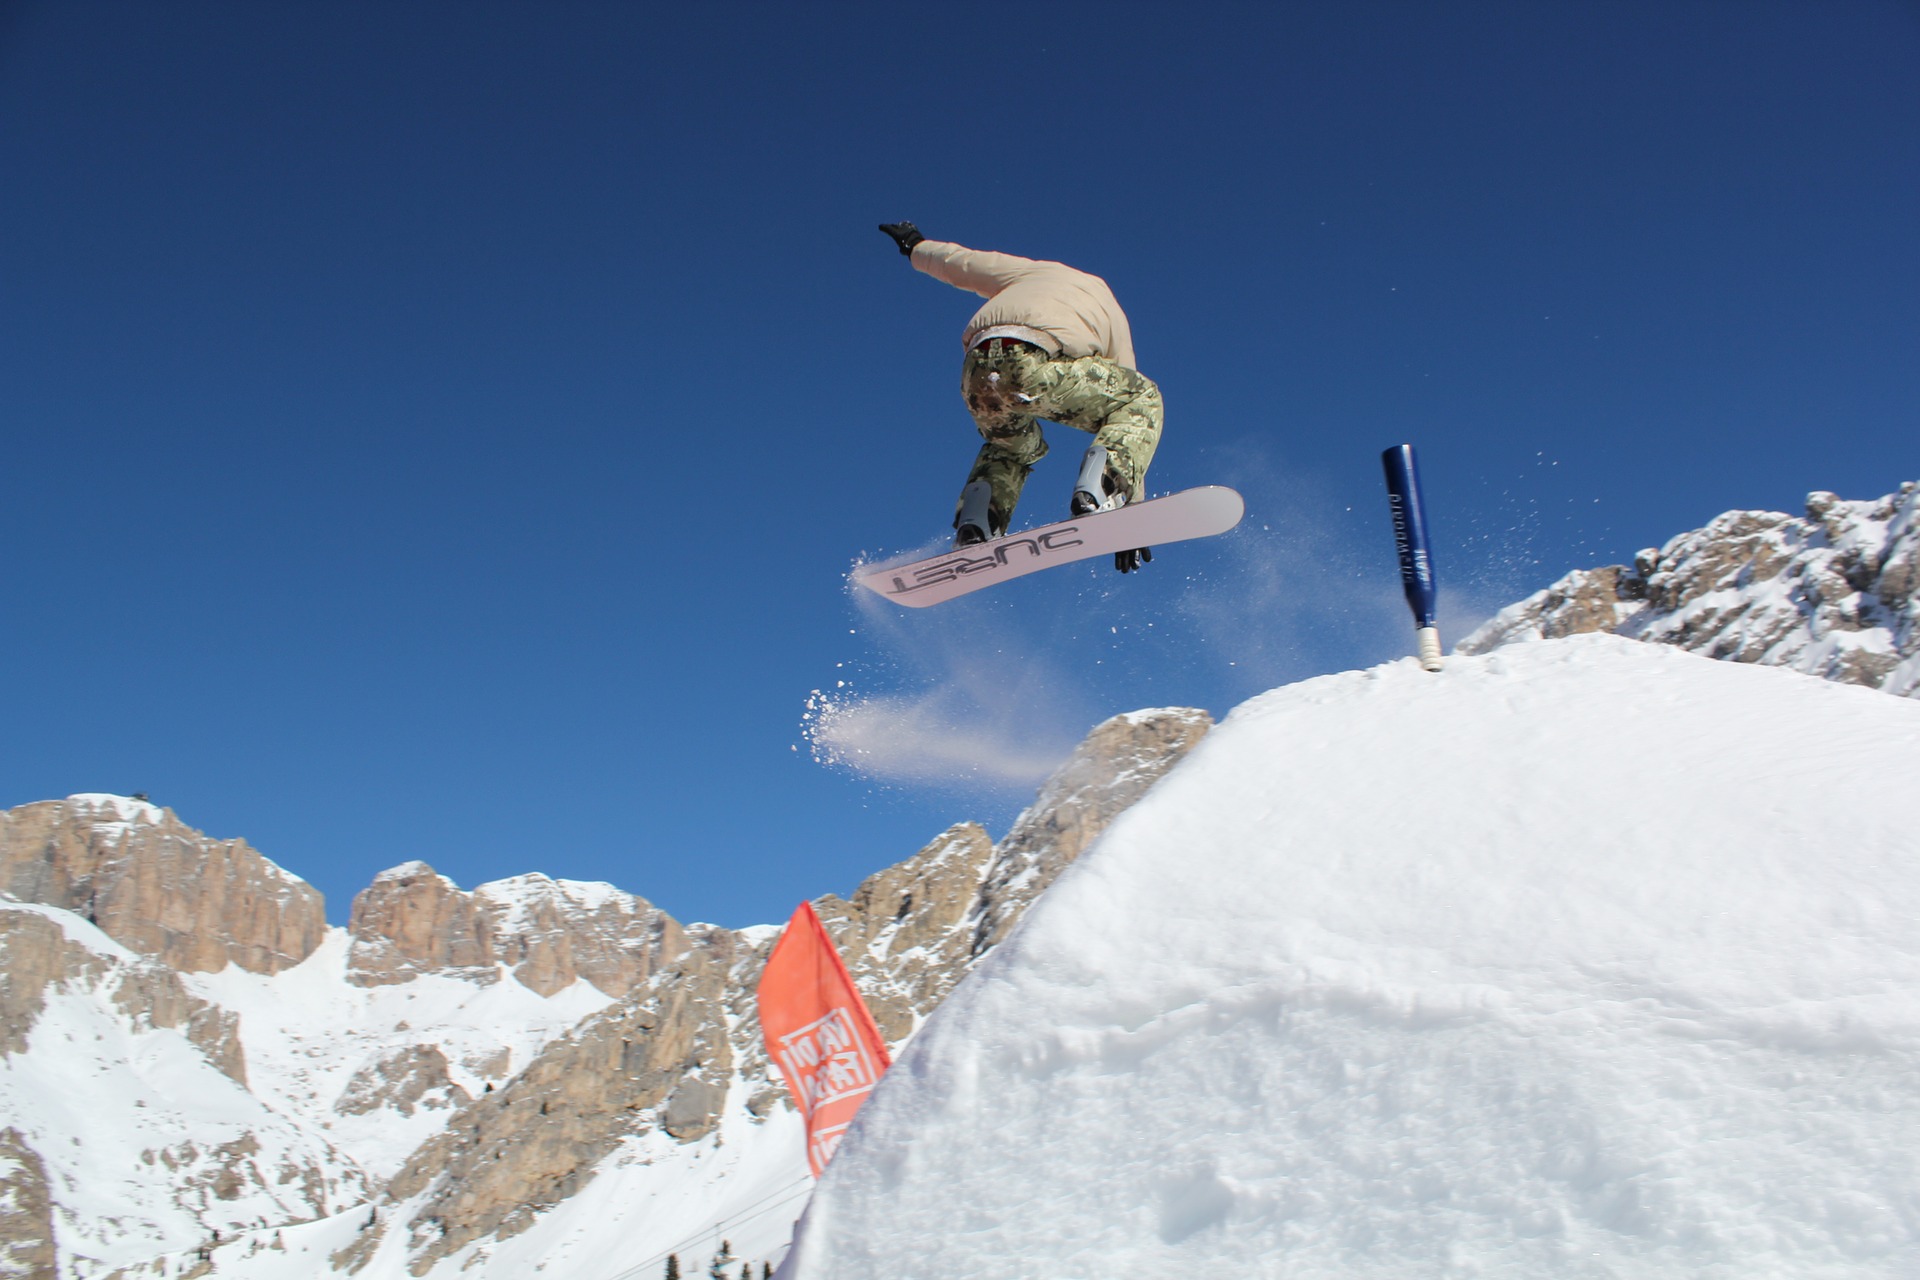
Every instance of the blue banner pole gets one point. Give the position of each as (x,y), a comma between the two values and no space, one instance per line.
(1410,540)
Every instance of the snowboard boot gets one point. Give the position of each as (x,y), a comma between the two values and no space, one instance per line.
(1098,488)
(974,524)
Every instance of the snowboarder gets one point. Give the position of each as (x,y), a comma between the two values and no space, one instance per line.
(1051,342)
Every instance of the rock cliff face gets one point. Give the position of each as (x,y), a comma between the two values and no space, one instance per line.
(547,933)
(1832,593)
(661,1058)
(1110,770)
(904,932)
(158,887)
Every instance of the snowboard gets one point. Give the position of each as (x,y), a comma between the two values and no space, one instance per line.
(1191,513)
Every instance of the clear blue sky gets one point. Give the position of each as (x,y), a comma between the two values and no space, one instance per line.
(443,430)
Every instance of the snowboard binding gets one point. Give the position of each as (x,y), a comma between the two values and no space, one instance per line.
(1097,489)
(974,524)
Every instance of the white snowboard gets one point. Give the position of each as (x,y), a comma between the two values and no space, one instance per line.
(1191,513)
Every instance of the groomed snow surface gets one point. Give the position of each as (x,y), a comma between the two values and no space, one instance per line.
(1586,958)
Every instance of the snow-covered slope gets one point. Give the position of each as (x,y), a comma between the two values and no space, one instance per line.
(380,1069)
(133,1100)
(1584,958)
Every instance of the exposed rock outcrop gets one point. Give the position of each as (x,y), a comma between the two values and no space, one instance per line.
(26,1210)
(903,932)
(1832,593)
(37,956)
(1107,772)
(412,1078)
(547,933)
(34,955)
(157,886)
(660,1057)
(413,920)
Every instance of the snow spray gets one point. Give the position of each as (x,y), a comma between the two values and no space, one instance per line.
(1410,539)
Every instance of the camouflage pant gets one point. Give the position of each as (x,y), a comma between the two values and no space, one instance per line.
(1009,386)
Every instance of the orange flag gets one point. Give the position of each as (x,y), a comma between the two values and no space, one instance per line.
(818,1029)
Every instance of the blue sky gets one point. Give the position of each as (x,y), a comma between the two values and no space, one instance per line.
(443,430)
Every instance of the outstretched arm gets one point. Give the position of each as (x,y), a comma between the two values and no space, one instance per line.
(975,270)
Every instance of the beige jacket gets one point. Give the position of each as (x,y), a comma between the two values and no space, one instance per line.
(1075,313)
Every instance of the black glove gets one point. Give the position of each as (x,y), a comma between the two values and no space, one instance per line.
(1128,561)
(904,234)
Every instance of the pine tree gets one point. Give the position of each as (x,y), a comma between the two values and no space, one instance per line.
(673,1266)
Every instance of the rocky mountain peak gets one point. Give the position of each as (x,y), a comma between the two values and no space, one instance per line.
(414,920)
(547,933)
(157,886)
(1831,593)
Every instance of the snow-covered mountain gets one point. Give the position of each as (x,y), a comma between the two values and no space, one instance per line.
(198,1077)
(1585,958)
